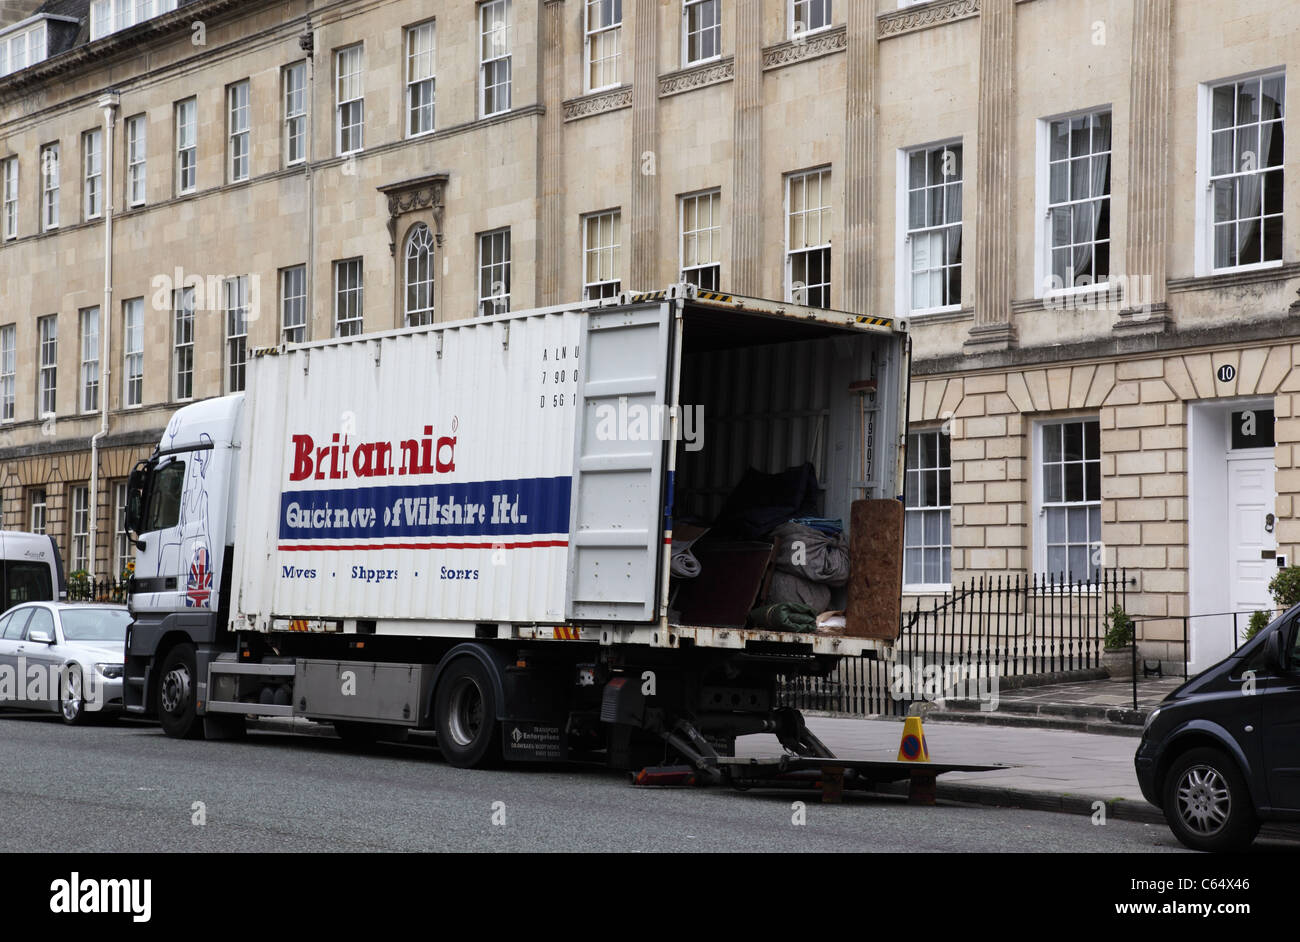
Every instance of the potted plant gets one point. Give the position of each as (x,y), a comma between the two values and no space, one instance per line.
(1117,657)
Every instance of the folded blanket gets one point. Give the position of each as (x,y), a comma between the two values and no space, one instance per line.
(784,616)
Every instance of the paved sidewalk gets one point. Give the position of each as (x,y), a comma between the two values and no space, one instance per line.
(1106,693)
(1053,769)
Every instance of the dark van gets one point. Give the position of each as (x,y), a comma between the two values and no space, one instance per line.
(1221,754)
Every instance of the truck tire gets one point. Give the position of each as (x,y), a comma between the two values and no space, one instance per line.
(176,694)
(465,717)
(1207,803)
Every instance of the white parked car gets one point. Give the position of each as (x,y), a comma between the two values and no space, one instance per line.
(63,658)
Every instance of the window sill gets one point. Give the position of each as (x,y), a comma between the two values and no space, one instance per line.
(697,62)
(1246,269)
(920,590)
(931,311)
(416,136)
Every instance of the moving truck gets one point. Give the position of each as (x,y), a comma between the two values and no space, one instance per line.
(468,527)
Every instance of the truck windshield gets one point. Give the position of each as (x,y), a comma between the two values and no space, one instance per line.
(95,624)
(27,582)
(165,497)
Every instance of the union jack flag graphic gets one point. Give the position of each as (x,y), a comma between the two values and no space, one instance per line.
(198,586)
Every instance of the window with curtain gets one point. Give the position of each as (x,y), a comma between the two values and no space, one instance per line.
(934,208)
(1078,209)
(1246,145)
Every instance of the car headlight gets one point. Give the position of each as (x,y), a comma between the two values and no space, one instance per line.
(1151,718)
(111,671)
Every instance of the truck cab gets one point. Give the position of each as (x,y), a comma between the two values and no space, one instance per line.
(181,507)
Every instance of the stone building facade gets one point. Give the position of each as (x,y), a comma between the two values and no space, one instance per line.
(1077,205)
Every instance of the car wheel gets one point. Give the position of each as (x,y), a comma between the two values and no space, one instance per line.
(176,694)
(1207,803)
(72,704)
(465,715)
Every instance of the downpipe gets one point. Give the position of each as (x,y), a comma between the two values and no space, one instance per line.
(109,102)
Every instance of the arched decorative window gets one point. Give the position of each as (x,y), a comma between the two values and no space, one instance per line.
(419,276)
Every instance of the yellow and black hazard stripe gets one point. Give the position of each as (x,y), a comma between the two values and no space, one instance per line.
(874,321)
(713,296)
(647,296)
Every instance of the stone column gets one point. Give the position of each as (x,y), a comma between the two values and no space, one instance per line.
(643,239)
(746,275)
(858,173)
(995,247)
(549,252)
(1146,305)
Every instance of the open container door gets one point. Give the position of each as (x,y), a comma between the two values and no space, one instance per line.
(616,530)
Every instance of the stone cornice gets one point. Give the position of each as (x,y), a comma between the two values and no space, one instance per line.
(418,193)
(924,16)
(598,103)
(1233,279)
(684,80)
(822,43)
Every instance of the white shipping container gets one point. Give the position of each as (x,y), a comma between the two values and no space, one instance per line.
(436,480)
(418,475)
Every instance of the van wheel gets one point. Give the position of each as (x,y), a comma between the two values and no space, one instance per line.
(176,694)
(465,716)
(1207,803)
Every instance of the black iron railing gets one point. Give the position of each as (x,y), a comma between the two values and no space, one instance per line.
(1014,625)
(112,591)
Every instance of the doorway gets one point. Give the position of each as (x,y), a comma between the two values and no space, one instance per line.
(1231,519)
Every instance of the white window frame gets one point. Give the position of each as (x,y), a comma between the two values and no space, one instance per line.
(122,544)
(910,510)
(235,309)
(23,48)
(596,37)
(92,182)
(1204,237)
(79,528)
(687,6)
(419,80)
(293,99)
(183,344)
(47,383)
(132,353)
(8,371)
(494,272)
(793,13)
(825,223)
(1043,207)
(109,17)
(500,55)
(420,275)
(903,274)
(713,232)
(344,296)
(293,299)
(137,145)
(38,504)
(88,388)
(9,185)
(185,132)
(1041,506)
(238,135)
(51,171)
(343,59)
(602,255)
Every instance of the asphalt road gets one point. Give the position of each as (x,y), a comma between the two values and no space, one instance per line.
(126,786)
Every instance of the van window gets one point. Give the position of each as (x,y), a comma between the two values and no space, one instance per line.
(165,497)
(27,582)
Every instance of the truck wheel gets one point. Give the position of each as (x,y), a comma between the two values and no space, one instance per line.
(1207,803)
(465,715)
(176,694)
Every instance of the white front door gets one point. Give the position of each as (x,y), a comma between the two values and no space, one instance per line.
(1250,536)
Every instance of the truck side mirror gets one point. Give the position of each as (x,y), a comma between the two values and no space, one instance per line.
(135,503)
